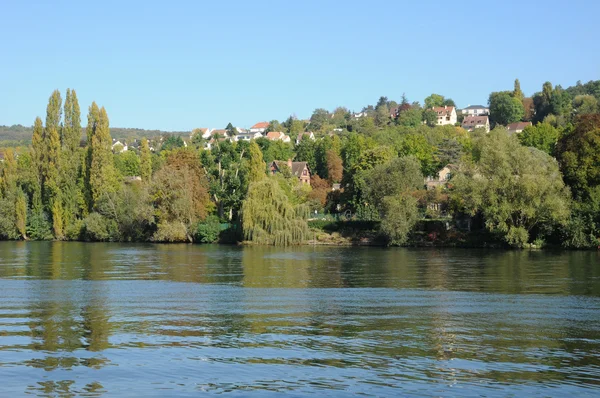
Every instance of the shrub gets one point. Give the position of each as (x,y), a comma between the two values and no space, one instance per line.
(208,230)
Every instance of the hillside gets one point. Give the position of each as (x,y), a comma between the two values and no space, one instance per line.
(21,135)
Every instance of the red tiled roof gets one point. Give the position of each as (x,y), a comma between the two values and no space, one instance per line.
(275,135)
(475,120)
(260,125)
(518,126)
(443,109)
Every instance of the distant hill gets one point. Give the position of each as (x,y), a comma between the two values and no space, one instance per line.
(17,134)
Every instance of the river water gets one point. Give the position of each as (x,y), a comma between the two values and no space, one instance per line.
(94,319)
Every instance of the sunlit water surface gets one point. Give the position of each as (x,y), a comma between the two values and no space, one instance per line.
(177,320)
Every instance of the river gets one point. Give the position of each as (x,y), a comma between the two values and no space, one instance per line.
(96,319)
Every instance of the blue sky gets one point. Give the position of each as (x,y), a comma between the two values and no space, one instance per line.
(176,65)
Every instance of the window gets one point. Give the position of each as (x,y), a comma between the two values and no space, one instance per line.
(304,172)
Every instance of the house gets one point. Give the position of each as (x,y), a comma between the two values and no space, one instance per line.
(476,110)
(471,123)
(517,127)
(118,146)
(359,115)
(216,135)
(298,169)
(445,115)
(247,136)
(205,132)
(441,179)
(259,127)
(278,136)
(305,135)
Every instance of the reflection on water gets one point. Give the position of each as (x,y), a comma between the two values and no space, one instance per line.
(95,319)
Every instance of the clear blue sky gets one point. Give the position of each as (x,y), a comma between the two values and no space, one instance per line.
(176,65)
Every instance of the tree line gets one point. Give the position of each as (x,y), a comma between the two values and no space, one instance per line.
(535,187)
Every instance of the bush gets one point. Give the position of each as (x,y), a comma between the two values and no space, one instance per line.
(75,230)
(171,232)
(96,227)
(208,231)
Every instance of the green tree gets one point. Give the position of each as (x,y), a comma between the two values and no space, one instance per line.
(394,178)
(102,174)
(542,136)
(578,153)
(274,125)
(518,190)
(430,117)
(585,105)
(172,142)
(517,93)
(306,152)
(505,109)
(269,217)
(413,117)
(180,195)
(127,163)
(71,131)
(434,100)
(145,161)
(256,164)
(318,119)
(399,215)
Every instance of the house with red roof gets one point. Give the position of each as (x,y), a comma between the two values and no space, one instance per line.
(471,123)
(278,136)
(259,127)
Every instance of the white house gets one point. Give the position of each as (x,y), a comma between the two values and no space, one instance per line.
(259,127)
(445,115)
(307,134)
(476,110)
(205,132)
(517,127)
(278,136)
(119,147)
(440,179)
(471,123)
(246,136)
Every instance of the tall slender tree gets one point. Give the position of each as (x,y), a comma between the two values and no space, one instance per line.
(517,93)
(102,175)
(145,161)
(257,165)
(71,132)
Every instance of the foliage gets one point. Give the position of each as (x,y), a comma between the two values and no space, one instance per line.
(208,230)
(578,153)
(128,163)
(269,218)
(516,189)
(180,196)
(505,109)
(542,136)
(399,215)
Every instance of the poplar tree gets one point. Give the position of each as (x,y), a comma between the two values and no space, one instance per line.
(145,161)
(93,115)
(37,143)
(13,204)
(102,175)
(71,132)
(70,161)
(51,160)
(517,93)
(257,166)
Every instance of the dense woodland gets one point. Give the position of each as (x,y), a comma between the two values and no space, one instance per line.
(538,187)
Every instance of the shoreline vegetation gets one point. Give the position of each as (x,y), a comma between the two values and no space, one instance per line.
(524,174)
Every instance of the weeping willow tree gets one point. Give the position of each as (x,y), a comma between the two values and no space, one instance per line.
(270,218)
